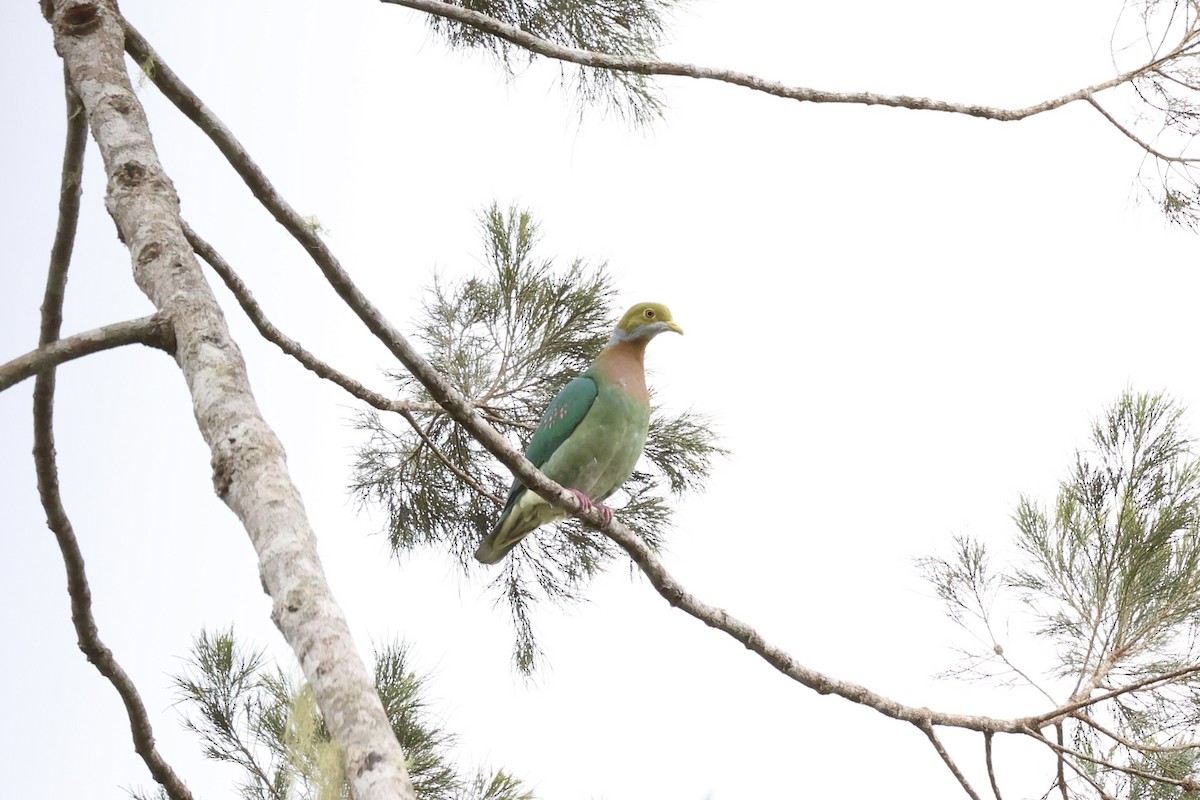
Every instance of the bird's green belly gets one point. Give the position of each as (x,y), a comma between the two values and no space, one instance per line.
(604,449)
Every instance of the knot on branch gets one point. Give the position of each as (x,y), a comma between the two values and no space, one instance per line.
(370,762)
(224,466)
(77,18)
(131,174)
(161,334)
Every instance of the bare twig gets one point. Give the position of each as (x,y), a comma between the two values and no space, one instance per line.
(1150,682)
(1100,790)
(267,329)
(310,362)
(1000,653)
(153,331)
(1133,137)
(44,458)
(1132,745)
(987,755)
(649,66)
(927,729)
(1059,773)
(1186,784)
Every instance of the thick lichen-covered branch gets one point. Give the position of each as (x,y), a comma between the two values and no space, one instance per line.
(249,466)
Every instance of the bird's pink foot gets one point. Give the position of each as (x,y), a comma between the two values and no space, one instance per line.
(586,503)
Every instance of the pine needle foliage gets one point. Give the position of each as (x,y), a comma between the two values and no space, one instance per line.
(157,793)
(494,786)
(253,715)
(1112,575)
(511,339)
(619,27)
(1120,557)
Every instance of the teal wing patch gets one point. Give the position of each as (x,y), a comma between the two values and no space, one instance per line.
(566,411)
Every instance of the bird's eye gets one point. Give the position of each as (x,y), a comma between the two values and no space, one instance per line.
(649,313)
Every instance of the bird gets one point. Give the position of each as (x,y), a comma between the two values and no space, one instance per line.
(591,435)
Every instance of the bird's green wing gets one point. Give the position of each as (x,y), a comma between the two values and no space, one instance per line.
(566,411)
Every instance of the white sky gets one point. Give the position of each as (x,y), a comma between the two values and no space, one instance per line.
(900,321)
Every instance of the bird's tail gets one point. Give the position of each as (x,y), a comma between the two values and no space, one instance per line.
(497,544)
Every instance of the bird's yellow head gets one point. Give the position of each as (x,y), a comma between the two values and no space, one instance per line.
(644,321)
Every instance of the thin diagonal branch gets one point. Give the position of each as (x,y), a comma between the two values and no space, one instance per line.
(271,333)
(987,755)
(1187,784)
(1060,775)
(44,458)
(310,362)
(1150,682)
(649,66)
(927,729)
(153,331)
(1082,773)
(1133,137)
(69,192)
(1132,745)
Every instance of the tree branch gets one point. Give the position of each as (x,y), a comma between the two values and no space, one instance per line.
(267,329)
(1064,711)
(1187,784)
(249,466)
(941,751)
(153,331)
(1132,745)
(1133,137)
(45,464)
(310,362)
(991,770)
(649,66)
(1060,775)
(1104,795)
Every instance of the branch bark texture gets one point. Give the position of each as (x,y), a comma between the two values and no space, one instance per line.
(153,331)
(249,465)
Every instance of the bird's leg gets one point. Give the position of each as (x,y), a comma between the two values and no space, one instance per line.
(585,503)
